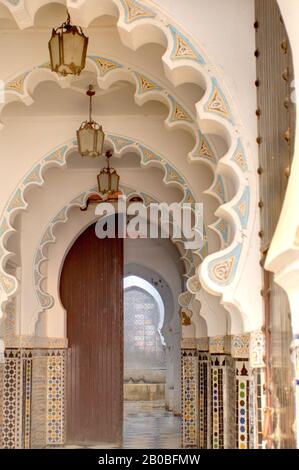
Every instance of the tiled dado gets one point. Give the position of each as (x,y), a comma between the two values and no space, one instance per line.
(204,380)
(229,402)
(217,401)
(189,378)
(243,408)
(11,408)
(1,397)
(33,398)
(56,397)
(222,393)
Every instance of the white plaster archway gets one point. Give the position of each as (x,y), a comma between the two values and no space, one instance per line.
(139,23)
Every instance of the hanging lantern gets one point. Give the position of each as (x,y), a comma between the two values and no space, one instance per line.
(108,179)
(68,48)
(90,135)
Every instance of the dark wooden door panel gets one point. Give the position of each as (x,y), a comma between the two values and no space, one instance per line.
(91,289)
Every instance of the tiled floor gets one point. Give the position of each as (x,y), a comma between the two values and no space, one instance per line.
(148,426)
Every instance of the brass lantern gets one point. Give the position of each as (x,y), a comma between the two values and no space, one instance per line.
(90,135)
(68,48)
(108,179)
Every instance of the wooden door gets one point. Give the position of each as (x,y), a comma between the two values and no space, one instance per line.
(91,289)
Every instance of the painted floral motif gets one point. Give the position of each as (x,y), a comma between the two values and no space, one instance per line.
(17,201)
(135,11)
(58,155)
(239,157)
(204,150)
(222,271)
(34,176)
(148,155)
(217,102)
(189,198)
(173,175)
(17,85)
(240,346)
(145,84)
(218,188)
(178,112)
(242,208)
(182,48)
(120,142)
(105,65)
(222,227)
(217,345)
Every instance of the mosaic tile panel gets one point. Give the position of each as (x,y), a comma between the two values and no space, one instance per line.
(11,397)
(230,403)
(189,377)
(259,406)
(217,418)
(242,405)
(56,397)
(39,399)
(203,400)
(26,398)
(1,400)
(31,379)
(251,413)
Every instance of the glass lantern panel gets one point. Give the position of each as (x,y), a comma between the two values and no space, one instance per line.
(104,183)
(114,182)
(54,51)
(86,141)
(100,141)
(73,50)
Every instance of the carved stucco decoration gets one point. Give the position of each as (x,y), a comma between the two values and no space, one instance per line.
(45,300)
(221,269)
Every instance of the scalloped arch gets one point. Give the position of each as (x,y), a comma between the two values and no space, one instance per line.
(141,22)
(58,157)
(45,300)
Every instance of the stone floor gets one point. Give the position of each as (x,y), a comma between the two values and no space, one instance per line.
(148,426)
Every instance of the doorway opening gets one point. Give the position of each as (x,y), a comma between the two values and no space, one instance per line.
(147,422)
(124,331)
